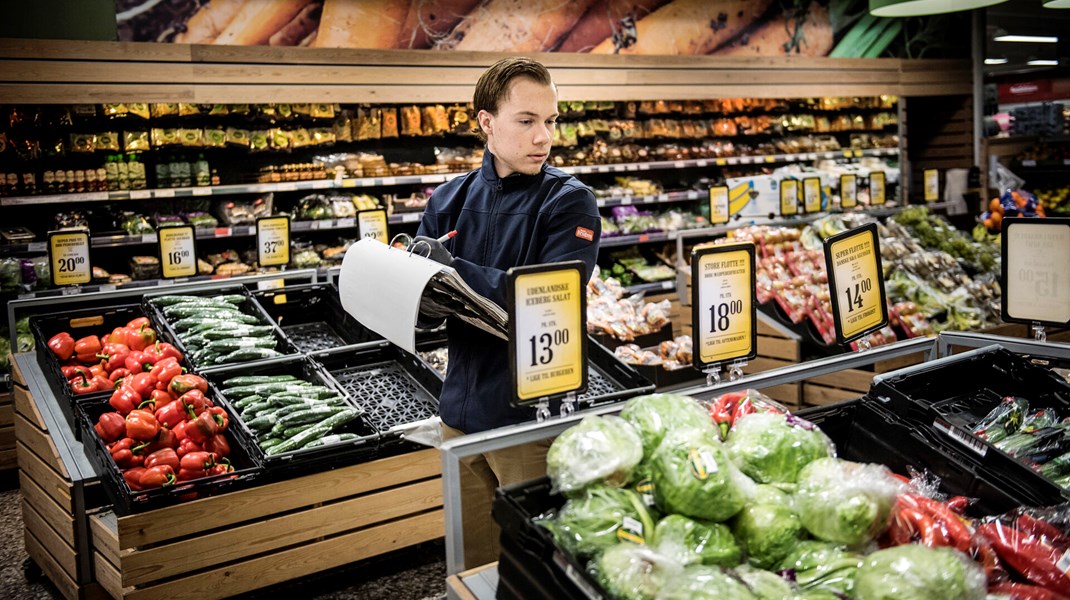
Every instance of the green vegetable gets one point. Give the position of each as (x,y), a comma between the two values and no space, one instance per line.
(232,344)
(772,448)
(767,530)
(765,585)
(693,542)
(635,573)
(693,476)
(699,582)
(598,517)
(245,380)
(308,415)
(845,502)
(247,354)
(653,415)
(821,565)
(919,573)
(336,438)
(24,341)
(306,436)
(597,449)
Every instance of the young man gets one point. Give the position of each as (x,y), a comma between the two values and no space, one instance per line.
(513,211)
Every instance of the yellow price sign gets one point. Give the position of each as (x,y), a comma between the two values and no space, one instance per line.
(811,195)
(372,224)
(719,211)
(68,253)
(547,330)
(789,197)
(877,189)
(273,241)
(848,191)
(721,162)
(178,251)
(856,285)
(932,185)
(723,304)
(1036,271)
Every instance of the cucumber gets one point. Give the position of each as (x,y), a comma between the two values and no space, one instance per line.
(282,411)
(309,415)
(237,343)
(220,327)
(263,423)
(171,299)
(255,379)
(312,433)
(182,311)
(221,319)
(247,354)
(289,432)
(334,438)
(246,401)
(268,388)
(250,410)
(269,442)
(238,332)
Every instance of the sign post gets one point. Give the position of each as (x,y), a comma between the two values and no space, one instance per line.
(1036,273)
(273,241)
(789,197)
(178,251)
(723,309)
(856,284)
(877,189)
(719,205)
(68,254)
(372,224)
(848,191)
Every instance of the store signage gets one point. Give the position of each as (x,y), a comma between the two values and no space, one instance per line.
(1036,271)
(723,306)
(932,185)
(1029,91)
(372,225)
(719,205)
(877,190)
(848,191)
(547,331)
(789,197)
(178,251)
(68,253)
(811,195)
(273,241)
(856,284)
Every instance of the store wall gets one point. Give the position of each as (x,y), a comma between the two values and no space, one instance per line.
(59,20)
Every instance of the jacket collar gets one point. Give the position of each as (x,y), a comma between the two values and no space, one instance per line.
(489,175)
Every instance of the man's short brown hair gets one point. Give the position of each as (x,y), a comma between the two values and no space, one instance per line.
(493,85)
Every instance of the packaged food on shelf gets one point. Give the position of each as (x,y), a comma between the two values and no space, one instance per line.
(244,210)
(610,314)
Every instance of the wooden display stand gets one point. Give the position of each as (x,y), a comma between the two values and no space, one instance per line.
(7,431)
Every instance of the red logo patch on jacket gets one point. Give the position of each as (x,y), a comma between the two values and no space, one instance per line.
(584,233)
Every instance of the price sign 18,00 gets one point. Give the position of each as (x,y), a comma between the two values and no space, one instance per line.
(723,304)
(273,241)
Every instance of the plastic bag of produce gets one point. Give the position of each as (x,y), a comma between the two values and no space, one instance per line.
(767,528)
(635,572)
(845,502)
(920,573)
(700,582)
(773,448)
(600,517)
(818,565)
(692,476)
(597,450)
(1033,544)
(764,584)
(653,415)
(693,542)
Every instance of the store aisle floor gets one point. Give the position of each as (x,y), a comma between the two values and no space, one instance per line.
(417,573)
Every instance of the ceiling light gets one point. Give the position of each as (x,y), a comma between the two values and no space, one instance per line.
(917,8)
(995,61)
(1036,39)
(1056,3)
(1043,63)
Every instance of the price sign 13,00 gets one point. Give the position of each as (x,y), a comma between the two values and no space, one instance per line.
(723,304)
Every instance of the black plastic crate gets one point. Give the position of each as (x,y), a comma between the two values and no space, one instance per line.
(247,470)
(312,317)
(308,459)
(950,395)
(248,306)
(393,387)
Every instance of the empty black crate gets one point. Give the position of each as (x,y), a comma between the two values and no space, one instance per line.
(302,460)
(312,317)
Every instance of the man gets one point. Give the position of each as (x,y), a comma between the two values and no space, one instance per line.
(513,211)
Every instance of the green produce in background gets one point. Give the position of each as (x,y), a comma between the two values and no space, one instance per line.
(693,476)
(845,502)
(700,582)
(635,572)
(919,573)
(773,448)
(693,542)
(823,566)
(598,449)
(764,584)
(598,518)
(653,415)
(767,529)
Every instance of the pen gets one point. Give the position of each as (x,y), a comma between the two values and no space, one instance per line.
(443,239)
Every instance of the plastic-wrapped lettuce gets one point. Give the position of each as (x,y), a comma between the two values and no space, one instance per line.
(596,450)
(764,584)
(600,517)
(919,573)
(845,502)
(693,542)
(699,582)
(634,572)
(772,448)
(822,566)
(653,415)
(693,476)
(767,527)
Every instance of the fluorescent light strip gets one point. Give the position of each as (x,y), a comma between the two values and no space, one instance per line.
(1043,63)
(1038,39)
(995,61)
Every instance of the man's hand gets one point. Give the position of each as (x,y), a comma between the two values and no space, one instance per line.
(438,251)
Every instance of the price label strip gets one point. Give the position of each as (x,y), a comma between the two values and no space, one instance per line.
(719,211)
(372,224)
(1036,271)
(811,195)
(877,189)
(848,191)
(723,304)
(789,197)
(273,241)
(178,251)
(68,253)
(547,331)
(932,185)
(856,285)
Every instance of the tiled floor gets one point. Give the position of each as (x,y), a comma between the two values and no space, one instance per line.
(414,573)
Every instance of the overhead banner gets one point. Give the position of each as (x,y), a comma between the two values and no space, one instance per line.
(840,28)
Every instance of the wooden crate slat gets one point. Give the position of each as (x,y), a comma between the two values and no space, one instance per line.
(7,397)
(60,520)
(51,541)
(290,564)
(16,372)
(55,485)
(772,347)
(9,459)
(66,586)
(107,575)
(854,380)
(102,532)
(818,395)
(232,544)
(25,406)
(163,524)
(7,414)
(82,49)
(40,443)
(7,436)
(893,364)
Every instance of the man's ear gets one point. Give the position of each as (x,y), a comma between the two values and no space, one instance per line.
(485,118)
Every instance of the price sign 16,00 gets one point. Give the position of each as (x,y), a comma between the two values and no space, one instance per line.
(178,251)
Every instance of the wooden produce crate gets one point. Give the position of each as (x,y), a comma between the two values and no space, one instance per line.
(850,384)
(8,459)
(233,543)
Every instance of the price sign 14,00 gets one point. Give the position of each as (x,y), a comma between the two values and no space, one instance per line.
(856,284)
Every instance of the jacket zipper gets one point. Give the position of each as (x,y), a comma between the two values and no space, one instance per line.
(493,214)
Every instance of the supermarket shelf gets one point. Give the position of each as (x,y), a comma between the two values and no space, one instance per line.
(147,285)
(643,238)
(405,217)
(685,196)
(646,288)
(367,182)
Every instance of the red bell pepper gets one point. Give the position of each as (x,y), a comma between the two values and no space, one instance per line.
(166,370)
(188,474)
(138,362)
(138,322)
(133,478)
(142,383)
(62,345)
(128,452)
(117,375)
(81,385)
(186,446)
(140,337)
(101,383)
(110,427)
(117,336)
(164,439)
(194,402)
(157,477)
(181,384)
(71,371)
(180,429)
(161,350)
(142,425)
(98,369)
(197,460)
(171,414)
(164,456)
(207,424)
(218,445)
(86,348)
(114,356)
(124,400)
(220,468)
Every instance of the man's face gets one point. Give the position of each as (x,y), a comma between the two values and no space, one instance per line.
(521,133)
